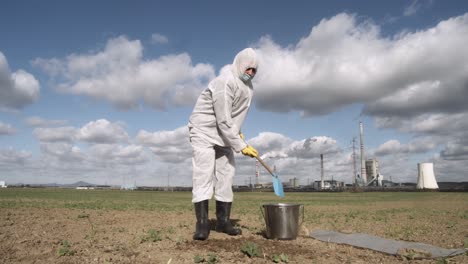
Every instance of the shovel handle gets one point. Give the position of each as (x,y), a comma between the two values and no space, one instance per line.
(266,166)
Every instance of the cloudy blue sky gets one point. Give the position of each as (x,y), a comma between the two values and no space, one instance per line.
(101,91)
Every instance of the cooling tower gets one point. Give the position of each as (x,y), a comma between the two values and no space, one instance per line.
(426,178)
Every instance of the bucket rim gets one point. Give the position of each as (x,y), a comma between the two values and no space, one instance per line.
(281,205)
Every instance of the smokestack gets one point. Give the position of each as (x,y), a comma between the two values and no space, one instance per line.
(321,171)
(363,156)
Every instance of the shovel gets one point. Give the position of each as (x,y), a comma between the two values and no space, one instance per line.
(277,185)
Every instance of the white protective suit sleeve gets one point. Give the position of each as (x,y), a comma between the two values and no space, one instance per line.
(223,98)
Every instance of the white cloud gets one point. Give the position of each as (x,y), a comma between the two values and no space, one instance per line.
(120,75)
(450,170)
(313,147)
(157,38)
(419,145)
(11,156)
(449,131)
(456,150)
(36,121)
(271,144)
(6,129)
(63,152)
(345,61)
(56,134)
(434,124)
(414,82)
(17,89)
(416,6)
(412,8)
(168,146)
(102,131)
(130,155)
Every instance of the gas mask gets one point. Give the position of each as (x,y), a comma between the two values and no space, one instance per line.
(246,77)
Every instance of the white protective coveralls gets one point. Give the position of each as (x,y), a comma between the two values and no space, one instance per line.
(214,128)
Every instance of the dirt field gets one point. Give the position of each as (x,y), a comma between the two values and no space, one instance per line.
(70,226)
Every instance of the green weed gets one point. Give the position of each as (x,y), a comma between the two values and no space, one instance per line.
(463,215)
(442,261)
(282,258)
(450,224)
(65,249)
(83,215)
(250,249)
(210,259)
(151,236)
(198,259)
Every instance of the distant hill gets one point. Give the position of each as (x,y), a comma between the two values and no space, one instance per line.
(70,185)
(79,184)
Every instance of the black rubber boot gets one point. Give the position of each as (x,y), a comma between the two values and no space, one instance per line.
(203,223)
(223,221)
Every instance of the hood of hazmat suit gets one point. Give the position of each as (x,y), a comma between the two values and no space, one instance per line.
(221,108)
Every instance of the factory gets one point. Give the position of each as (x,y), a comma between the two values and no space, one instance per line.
(369,176)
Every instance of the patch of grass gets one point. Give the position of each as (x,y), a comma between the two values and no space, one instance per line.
(65,249)
(170,230)
(210,259)
(83,215)
(180,241)
(250,249)
(119,229)
(151,236)
(198,259)
(281,258)
(441,261)
(463,214)
(450,224)
(351,215)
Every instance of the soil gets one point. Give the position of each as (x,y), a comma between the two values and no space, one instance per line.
(41,235)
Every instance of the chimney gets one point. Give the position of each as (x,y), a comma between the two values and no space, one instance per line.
(321,171)
(363,156)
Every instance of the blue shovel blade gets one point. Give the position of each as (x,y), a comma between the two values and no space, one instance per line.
(277,186)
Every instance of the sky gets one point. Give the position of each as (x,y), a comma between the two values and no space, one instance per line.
(101,91)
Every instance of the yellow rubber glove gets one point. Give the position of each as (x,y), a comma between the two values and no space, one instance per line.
(250,151)
(241,135)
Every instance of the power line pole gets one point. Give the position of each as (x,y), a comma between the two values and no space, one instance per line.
(354,162)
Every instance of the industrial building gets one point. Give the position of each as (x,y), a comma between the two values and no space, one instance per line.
(374,178)
(328,185)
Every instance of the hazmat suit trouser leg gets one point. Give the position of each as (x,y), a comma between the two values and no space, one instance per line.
(213,172)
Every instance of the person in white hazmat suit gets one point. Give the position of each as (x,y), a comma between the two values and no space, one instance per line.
(215,132)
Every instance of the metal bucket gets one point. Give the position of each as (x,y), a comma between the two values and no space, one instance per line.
(282,220)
